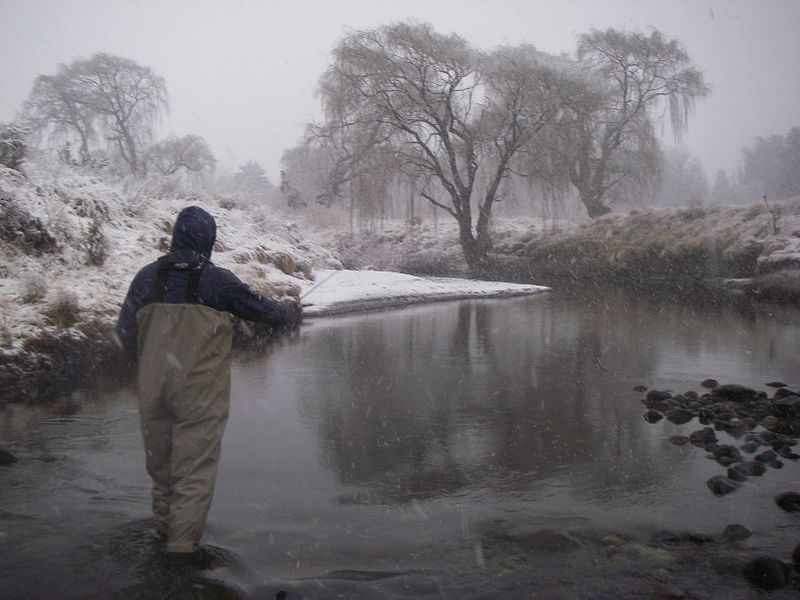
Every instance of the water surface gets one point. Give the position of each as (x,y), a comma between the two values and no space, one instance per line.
(452,450)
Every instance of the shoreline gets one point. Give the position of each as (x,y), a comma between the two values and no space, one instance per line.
(54,366)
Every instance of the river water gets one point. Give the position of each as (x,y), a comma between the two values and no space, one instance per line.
(468,449)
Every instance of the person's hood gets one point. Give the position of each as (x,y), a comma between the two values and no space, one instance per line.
(194,231)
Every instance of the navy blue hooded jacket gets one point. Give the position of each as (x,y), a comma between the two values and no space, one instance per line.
(193,239)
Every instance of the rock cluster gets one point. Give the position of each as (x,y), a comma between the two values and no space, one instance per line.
(767,427)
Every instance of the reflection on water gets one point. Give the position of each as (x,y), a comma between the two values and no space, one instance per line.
(403,441)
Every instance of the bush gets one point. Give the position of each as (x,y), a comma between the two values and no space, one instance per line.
(12,145)
(34,288)
(95,245)
(64,310)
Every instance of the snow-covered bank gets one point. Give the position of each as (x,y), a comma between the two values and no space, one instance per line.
(336,292)
(71,242)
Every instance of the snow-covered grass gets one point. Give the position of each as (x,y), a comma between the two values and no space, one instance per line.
(58,293)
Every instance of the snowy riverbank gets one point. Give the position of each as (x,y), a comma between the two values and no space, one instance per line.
(342,291)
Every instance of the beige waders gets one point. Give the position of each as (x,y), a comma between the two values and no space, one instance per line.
(184,390)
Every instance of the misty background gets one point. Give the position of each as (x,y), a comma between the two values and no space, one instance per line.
(243,74)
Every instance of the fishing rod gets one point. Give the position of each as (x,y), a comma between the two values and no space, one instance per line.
(328,278)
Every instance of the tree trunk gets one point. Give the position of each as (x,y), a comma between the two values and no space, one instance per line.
(593,202)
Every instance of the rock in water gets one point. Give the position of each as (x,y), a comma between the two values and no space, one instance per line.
(679,440)
(776,384)
(721,485)
(788,501)
(734,392)
(709,383)
(796,556)
(767,571)
(6,458)
(679,416)
(652,416)
(736,532)
(703,436)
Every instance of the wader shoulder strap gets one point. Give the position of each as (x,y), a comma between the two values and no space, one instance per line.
(166,266)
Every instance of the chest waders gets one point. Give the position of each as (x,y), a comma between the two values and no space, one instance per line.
(184,391)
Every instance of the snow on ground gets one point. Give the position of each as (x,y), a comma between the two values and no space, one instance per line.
(266,250)
(345,291)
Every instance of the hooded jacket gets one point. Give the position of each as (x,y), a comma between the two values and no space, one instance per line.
(187,274)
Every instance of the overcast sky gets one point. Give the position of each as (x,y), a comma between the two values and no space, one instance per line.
(243,73)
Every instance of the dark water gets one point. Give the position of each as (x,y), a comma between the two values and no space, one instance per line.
(457,450)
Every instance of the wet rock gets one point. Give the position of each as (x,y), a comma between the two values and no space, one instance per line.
(736,532)
(738,472)
(769,422)
(703,436)
(652,416)
(767,456)
(786,452)
(546,540)
(709,383)
(721,485)
(788,408)
(734,392)
(757,468)
(679,440)
(788,501)
(767,572)
(750,447)
(6,458)
(679,416)
(658,396)
(784,393)
(692,395)
(726,455)
(664,590)
(775,384)
(671,536)
(796,556)
(640,388)
(749,423)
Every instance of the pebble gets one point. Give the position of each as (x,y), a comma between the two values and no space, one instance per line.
(6,458)
(736,532)
(721,485)
(788,501)
(679,440)
(767,571)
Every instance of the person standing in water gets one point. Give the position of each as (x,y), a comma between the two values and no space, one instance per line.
(177,323)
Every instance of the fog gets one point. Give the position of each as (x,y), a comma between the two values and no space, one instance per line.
(243,74)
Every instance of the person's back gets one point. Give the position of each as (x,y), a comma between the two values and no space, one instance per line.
(177,321)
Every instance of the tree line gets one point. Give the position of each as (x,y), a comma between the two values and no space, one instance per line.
(407,106)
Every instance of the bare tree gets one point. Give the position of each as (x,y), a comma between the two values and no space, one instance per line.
(442,109)
(190,153)
(55,109)
(614,139)
(127,98)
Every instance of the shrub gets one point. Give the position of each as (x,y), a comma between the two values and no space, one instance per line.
(34,288)
(64,310)
(94,244)
(12,145)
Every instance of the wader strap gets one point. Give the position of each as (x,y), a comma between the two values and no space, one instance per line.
(191,288)
(164,268)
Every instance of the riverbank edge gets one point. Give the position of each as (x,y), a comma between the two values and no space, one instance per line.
(60,366)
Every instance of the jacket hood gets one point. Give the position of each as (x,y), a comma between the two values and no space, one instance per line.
(195,230)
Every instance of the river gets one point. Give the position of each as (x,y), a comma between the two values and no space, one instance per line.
(474,449)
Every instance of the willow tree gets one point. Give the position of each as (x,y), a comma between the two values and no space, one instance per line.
(105,95)
(54,109)
(614,139)
(444,110)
